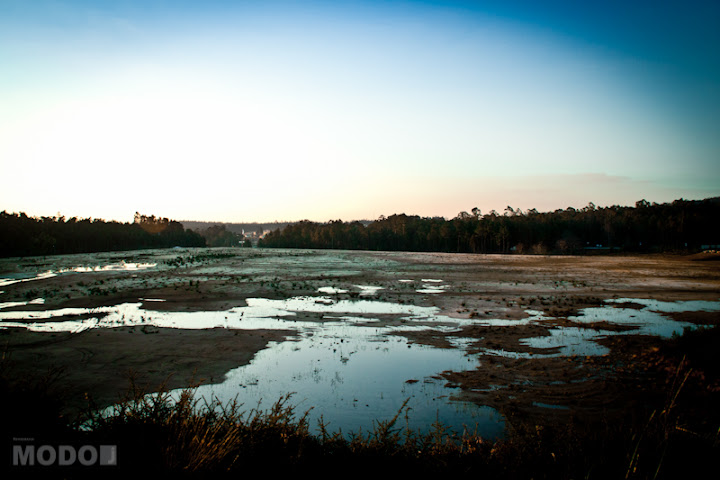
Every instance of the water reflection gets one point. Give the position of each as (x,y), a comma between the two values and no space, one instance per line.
(344,364)
(12,278)
(353,375)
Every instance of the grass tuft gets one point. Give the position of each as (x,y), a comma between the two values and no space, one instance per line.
(675,435)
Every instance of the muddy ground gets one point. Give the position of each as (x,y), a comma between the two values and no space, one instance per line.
(99,362)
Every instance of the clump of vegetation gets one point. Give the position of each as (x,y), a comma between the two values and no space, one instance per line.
(207,257)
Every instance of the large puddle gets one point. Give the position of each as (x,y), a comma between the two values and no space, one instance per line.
(353,375)
(646,319)
(344,364)
(9,279)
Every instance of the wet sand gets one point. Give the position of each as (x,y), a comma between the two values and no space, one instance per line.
(102,364)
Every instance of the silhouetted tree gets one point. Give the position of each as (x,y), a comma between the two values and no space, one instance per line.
(24,236)
(679,226)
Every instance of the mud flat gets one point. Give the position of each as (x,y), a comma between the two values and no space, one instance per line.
(537,336)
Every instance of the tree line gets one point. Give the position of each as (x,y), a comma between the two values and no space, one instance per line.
(682,226)
(219,236)
(236,227)
(21,235)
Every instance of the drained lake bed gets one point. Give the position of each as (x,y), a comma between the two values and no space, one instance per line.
(352,335)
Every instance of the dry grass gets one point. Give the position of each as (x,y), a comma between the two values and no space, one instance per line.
(157,434)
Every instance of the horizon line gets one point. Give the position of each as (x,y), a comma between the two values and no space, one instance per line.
(60,215)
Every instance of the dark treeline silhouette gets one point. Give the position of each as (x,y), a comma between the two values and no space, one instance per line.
(219,236)
(21,235)
(682,225)
(234,227)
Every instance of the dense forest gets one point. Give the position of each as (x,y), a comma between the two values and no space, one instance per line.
(235,227)
(219,236)
(21,235)
(682,225)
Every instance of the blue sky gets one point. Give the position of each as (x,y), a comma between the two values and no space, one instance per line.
(259,111)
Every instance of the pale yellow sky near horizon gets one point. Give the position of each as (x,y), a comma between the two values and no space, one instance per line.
(233,113)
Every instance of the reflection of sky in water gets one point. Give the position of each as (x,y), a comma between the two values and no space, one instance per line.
(12,278)
(24,277)
(430,285)
(280,314)
(353,375)
(327,305)
(646,321)
(345,365)
(331,290)
(428,289)
(571,341)
(368,290)
(671,307)
(350,374)
(111,267)
(37,301)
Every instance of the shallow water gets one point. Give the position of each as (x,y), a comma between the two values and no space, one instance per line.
(353,375)
(121,266)
(331,290)
(37,301)
(368,290)
(344,363)
(24,277)
(645,321)
(9,279)
(570,341)
(430,285)
(670,307)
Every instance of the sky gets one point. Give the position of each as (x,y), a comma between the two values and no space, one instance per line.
(287,110)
